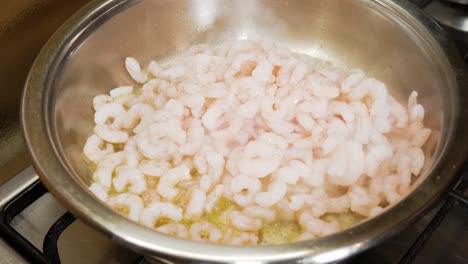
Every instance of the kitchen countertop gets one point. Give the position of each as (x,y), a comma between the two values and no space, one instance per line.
(25,25)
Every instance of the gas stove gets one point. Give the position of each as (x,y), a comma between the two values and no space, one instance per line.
(35,228)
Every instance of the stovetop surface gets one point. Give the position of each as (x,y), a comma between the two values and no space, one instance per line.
(25,25)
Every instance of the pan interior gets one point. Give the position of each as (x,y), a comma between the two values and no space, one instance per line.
(348,33)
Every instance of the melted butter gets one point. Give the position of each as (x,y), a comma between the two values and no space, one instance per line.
(218,215)
(279,232)
(163,221)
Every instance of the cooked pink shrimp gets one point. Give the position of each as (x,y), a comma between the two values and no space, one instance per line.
(316,226)
(129,176)
(166,186)
(243,222)
(106,166)
(134,69)
(252,134)
(157,210)
(241,239)
(94,148)
(205,231)
(135,114)
(131,202)
(174,229)
(244,189)
(259,159)
(196,204)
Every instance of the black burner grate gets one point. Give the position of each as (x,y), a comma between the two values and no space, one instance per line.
(21,244)
(11,236)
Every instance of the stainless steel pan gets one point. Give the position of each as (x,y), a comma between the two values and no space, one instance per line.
(390,39)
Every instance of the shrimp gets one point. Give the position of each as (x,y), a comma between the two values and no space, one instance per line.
(154,68)
(157,210)
(133,156)
(299,72)
(341,109)
(317,199)
(363,125)
(205,231)
(247,88)
(249,109)
(174,72)
(284,73)
(244,189)
(376,154)
(135,115)
(316,173)
(398,112)
(378,108)
(106,166)
(195,102)
(150,196)
(100,191)
(292,173)
(134,69)
(94,148)
(415,110)
(279,56)
(259,212)
(391,188)
(317,108)
(166,187)
(121,91)
(284,210)
(160,140)
(421,137)
(275,113)
(347,164)
(306,121)
(243,222)
(174,229)
(316,226)
(216,91)
(101,100)
(305,155)
(251,133)
(111,135)
(153,168)
(213,197)
(241,238)
(127,203)
(195,137)
(196,204)
(112,113)
(276,191)
(263,71)
(304,236)
(404,167)
(348,84)
(362,201)
(215,163)
(150,88)
(319,86)
(259,159)
(241,61)
(214,112)
(129,176)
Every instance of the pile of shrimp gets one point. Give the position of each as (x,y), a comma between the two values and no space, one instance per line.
(219,143)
